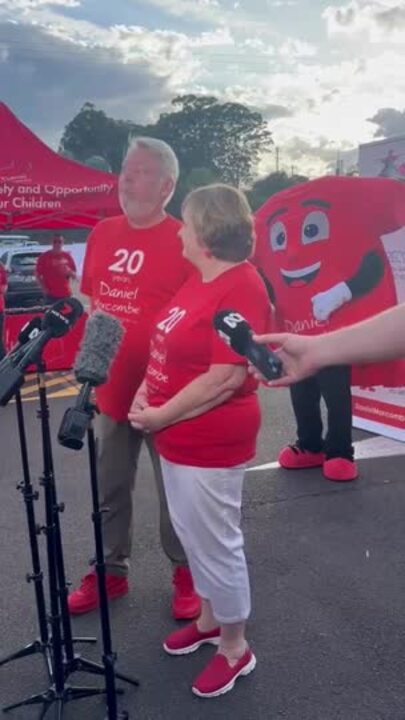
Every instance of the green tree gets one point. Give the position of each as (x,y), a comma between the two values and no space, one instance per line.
(66,154)
(263,188)
(225,138)
(187,182)
(98,163)
(93,133)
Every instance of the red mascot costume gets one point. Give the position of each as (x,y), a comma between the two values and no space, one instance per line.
(320,252)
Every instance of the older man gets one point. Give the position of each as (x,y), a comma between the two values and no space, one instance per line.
(132,268)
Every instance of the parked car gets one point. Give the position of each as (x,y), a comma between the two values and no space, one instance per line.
(23,289)
(16,241)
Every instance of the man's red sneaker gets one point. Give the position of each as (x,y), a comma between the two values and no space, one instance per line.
(189,639)
(186,604)
(293,457)
(340,470)
(85,598)
(219,677)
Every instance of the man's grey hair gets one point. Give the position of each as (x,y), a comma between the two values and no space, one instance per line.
(161,150)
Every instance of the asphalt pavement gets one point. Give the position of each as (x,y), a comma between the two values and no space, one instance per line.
(328,580)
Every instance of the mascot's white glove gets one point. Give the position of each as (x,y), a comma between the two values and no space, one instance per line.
(325,303)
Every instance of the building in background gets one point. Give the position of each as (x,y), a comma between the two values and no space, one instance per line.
(383,158)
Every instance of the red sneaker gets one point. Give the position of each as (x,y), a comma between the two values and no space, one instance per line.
(85,598)
(189,639)
(186,604)
(219,677)
(340,470)
(293,458)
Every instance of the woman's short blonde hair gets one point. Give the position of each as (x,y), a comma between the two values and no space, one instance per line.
(222,220)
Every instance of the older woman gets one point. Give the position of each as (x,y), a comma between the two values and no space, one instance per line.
(199,401)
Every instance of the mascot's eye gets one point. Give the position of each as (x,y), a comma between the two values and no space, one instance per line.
(278,236)
(315,227)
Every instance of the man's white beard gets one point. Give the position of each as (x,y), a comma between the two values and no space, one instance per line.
(137,210)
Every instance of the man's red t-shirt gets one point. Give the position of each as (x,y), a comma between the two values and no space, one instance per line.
(54,268)
(131,273)
(183,347)
(3,282)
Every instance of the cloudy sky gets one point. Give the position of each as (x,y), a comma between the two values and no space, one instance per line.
(317,70)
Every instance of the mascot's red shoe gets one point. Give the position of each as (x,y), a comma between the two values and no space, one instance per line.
(340,470)
(294,458)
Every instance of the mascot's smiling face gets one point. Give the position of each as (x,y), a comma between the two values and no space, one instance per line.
(296,236)
(317,235)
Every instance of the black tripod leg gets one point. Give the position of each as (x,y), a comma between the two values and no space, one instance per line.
(78,693)
(84,665)
(31,649)
(33,700)
(44,710)
(85,640)
(127,679)
(97,669)
(58,715)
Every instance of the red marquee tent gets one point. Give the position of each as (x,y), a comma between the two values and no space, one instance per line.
(41,189)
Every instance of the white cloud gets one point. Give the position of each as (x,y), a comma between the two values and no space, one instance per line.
(377,20)
(34,4)
(4,53)
(282,3)
(292,49)
(315,104)
(245,21)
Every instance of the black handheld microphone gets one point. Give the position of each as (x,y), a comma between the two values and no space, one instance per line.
(56,322)
(28,332)
(102,336)
(237,333)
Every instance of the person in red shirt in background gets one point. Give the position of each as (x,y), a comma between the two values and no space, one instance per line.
(54,270)
(133,266)
(201,406)
(3,288)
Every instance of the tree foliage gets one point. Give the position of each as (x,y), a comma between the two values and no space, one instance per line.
(92,133)
(263,188)
(226,139)
(214,141)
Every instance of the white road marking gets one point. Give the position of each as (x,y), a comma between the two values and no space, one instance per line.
(364,449)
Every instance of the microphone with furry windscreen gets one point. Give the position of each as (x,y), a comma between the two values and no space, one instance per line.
(102,337)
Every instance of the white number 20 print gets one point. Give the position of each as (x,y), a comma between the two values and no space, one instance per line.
(174,317)
(128,262)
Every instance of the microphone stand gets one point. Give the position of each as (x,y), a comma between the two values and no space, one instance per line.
(42,644)
(109,656)
(63,659)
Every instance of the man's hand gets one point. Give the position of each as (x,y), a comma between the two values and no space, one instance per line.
(298,354)
(149,419)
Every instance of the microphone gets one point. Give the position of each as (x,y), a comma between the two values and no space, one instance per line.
(27,333)
(56,322)
(237,333)
(102,336)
